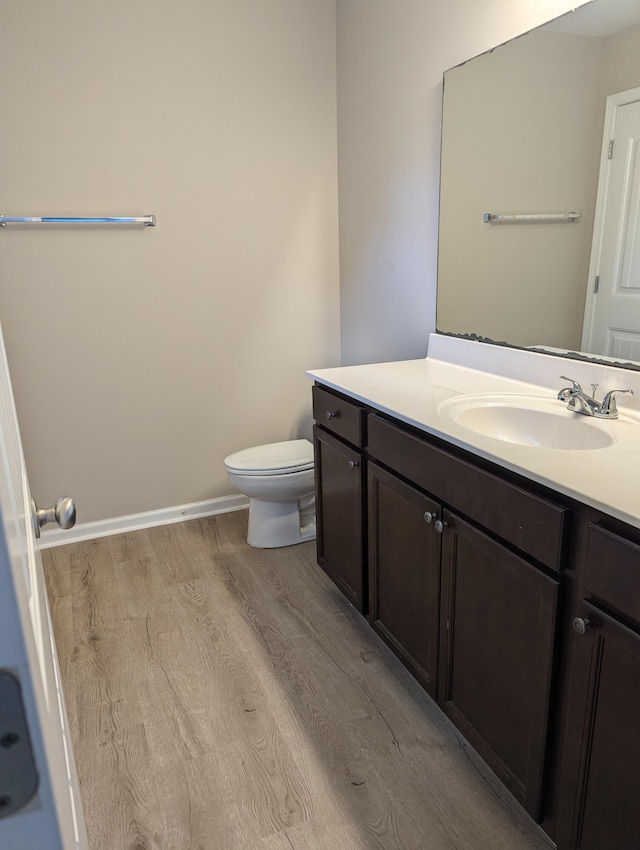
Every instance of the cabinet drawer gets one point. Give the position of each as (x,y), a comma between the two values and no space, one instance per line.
(612,570)
(341,417)
(531,523)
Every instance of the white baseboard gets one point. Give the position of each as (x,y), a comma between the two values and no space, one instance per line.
(135,522)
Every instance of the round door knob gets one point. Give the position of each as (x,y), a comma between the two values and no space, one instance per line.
(352,464)
(581,625)
(440,525)
(429,517)
(63,513)
(330,414)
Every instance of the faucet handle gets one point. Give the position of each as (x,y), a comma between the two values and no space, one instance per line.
(569,393)
(576,386)
(609,406)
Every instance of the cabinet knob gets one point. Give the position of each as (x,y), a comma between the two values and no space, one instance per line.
(352,464)
(331,414)
(429,517)
(440,525)
(581,625)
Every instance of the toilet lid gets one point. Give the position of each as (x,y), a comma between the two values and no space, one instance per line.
(272,459)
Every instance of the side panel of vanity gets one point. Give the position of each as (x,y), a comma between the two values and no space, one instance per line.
(474,576)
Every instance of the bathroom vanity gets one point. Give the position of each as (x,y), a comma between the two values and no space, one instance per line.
(491,535)
(502,570)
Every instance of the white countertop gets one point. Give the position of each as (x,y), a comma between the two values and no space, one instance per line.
(607,479)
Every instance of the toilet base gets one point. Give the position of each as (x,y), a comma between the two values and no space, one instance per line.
(276,524)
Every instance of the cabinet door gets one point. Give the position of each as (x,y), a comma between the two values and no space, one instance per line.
(497,651)
(339,515)
(607,809)
(404,573)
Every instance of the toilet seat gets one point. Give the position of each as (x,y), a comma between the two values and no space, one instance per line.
(272,459)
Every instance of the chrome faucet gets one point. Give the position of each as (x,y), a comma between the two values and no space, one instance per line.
(578,401)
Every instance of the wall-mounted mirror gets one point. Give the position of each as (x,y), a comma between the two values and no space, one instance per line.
(526,136)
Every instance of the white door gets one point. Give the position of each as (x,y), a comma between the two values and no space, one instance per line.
(612,317)
(40,805)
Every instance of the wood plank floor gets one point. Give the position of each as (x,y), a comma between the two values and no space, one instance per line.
(227,698)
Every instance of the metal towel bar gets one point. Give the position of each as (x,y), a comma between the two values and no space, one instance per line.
(524,218)
(144,220)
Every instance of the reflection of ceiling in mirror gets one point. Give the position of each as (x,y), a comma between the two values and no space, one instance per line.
(503,112)
(599,19)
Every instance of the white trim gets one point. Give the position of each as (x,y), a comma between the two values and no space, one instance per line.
(613,102)
(135,522)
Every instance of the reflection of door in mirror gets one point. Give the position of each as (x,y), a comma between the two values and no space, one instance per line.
(612,312)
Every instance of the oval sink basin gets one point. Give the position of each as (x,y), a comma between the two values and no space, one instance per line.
(526,421)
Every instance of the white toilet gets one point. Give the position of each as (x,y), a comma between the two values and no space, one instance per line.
(279,480)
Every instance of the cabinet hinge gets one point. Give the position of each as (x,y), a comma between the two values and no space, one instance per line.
(596,283)
(610,154)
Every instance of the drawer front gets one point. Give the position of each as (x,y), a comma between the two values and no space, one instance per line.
(612,572)
(531,523)
(341,417)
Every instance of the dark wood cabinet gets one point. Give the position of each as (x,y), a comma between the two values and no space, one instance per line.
(404,572)
(473,576)
(601,766)
(339,515)
(497,655)
(606,812)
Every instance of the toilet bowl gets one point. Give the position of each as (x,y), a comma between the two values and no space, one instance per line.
(279,479)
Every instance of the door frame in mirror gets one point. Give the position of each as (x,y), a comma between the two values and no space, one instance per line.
(613,103)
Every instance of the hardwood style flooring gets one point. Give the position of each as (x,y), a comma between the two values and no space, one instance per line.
(228,698)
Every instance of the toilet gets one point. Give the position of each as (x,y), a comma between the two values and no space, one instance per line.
(279,480)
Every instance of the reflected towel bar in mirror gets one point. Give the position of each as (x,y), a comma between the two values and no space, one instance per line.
(525,218)
(144,220)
